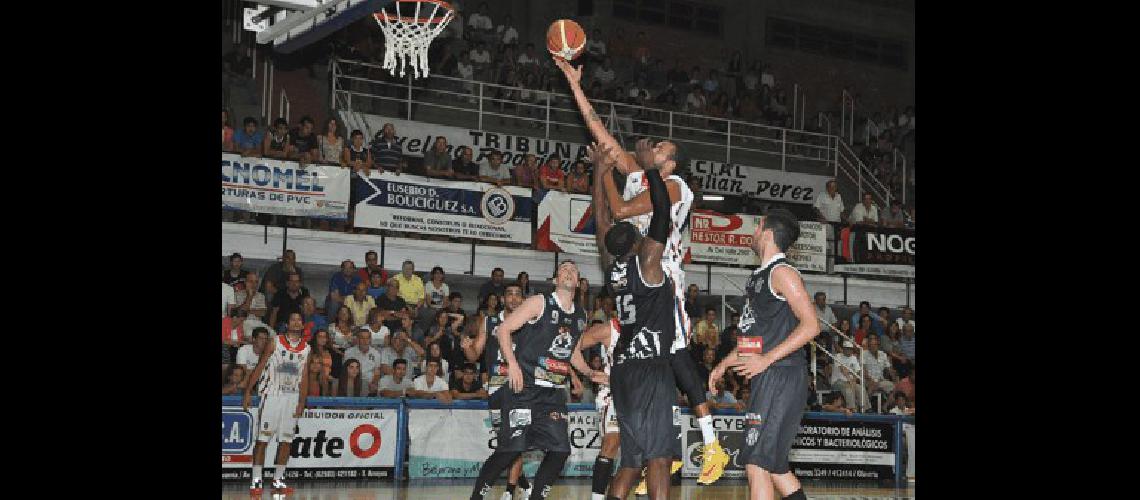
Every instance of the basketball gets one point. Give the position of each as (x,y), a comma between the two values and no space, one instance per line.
(565,39)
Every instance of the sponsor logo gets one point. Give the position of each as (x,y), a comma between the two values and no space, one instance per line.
(498,206)
(753,434)
(237,431)
(519,417)
(516,433)
(556,416)
(562,344)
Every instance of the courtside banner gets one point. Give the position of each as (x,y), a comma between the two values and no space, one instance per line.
(823,449)
(743,180)
(566,224)
(460,209)
(330,444)
(727,239)
(278,187)
(878,251)
(417,137)
(454,443)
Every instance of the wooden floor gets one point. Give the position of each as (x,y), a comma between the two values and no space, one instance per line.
(454,489)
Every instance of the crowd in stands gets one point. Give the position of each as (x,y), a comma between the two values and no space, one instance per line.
(403,333)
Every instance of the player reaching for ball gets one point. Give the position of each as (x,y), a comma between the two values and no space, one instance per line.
(634,206)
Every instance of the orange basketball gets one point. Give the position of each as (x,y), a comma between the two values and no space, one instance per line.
(565,39)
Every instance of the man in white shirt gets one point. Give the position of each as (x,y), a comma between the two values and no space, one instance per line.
(766,77)
(254,303)
(823,311)
(430,385)
(605,74)
(480,22)
(596,46)
(248,354)
(494,171)
(507,33)
(227,299)
(528,57)
(377,329)
(845,375)
(830,204)
(866,212)
(397,384)
(368,357)
(906,318)
(875,362)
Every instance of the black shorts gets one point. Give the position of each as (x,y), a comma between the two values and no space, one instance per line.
(688,378)
(643,393)
(534,419)
(775,407)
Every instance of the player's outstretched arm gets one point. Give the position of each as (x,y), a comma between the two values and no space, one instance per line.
(649,255)
(787,282)
(593,122)
(599,155)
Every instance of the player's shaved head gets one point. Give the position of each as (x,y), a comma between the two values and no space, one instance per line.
(621,238)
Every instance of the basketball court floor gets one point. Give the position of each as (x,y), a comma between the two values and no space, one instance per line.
(577,488)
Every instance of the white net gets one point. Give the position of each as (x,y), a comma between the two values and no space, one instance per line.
(406,41)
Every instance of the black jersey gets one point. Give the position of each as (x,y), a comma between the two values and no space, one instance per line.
(645,312)
(278,143)
(543,348)
(767,315)
(354,155)
(493,362)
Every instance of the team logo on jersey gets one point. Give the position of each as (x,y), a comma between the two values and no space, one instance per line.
(498,206)
(563,343)
(748,318)
(519,417)
(753,435)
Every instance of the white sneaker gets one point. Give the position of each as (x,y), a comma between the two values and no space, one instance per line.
(506,496)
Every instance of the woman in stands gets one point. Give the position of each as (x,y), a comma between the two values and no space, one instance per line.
(523,280)
(358,159)
(227,132)
(863,330)
(435,352)
(328,353)
(331,143)
(436,291)
(351,384)
(491,305)
(318,380)
(342,329)
(235,381)
(578,181)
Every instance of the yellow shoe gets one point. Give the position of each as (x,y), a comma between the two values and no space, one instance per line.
(642,488)
(676,467)
(712,463)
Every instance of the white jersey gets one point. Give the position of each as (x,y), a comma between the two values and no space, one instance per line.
(282,375)
(676,247)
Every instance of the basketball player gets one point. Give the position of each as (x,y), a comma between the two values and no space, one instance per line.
(642,375)
(777,322)
(635,206)
(533,410)
(497,375)
(284,380)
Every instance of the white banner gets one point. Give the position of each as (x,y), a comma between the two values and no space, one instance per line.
(454,443)
(271,186)
(908,434)
(460,209)
(727,239)
(566,224)
(329,444)
(743,180)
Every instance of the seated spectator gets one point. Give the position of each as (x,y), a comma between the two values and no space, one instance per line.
(722,399)
(392,307)
(490,306)
(235,381)
(304,142)
(494,172)
(845,374)
(711,83)
(319,382)
(526,173)
(291,300)
(507,34)
(696,103)
(894,217)
(437,160)
(884,320)
(906,344)
(430,385)
(707,364)
(481,59)
(276,143)
(360,303)
(371,265)
(479,25)
(369,359)
(434,351)
(728,337)
(523,280)
(401,347)
(331,357)
(906,385)
(466,70)
(444,324)
(351,384)
(235,275)
(313,320)
(605,74)
(468,386)
(227,132)
(907,317)
(551,176)
(330,144)
(865,310)
(386,150)
(397,382)
(376,286)
(436,290)
(830,204)
(341,285)
(837,403)
(381,334)
(411,285)
(465,167)
(877,366)
(277,274)
(866,212)
(343,328)
(493,286)
(822,310)
(578,181)
(823,375)
(528,59)
(865,329)
(707,333)
(252,303)
(901,406)
(248,140)
(766,77)
(248,354)
(455,306)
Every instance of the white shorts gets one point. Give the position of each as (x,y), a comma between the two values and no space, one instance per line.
(275,417)
(604,402)
(680,317)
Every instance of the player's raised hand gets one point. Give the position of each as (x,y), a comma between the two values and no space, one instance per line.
(645,154)
(599,155)
(573,75)
(515,377)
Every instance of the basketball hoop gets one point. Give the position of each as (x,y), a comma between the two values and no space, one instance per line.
(406,39)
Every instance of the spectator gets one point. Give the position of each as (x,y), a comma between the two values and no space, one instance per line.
(443,324)
(894,217)
(847,330)
(360,303)
(696,102)
(479,25)
(595,47)
(465,167)
(837,404)
(437,160)
(578,181)
(227,132)
(435,351)
(877,366)
(906,385)
(889,343)
(711,83)
(728,337)
(436,290)
(550,176)
(313,320)
(278,273)
(467,385)
(866,212)
(392,307)
(493,286)
(371,265)
(582,296)
(370,359)
(331,143)
(276,143)
(722,399)
(618,46)
(481,60)
(304,142)
(341,285)
(605,74)
(376,286)
(707,364)
(822,379)
(507,34)
(359,160)
(289,301)
(830,204)
(381,334)
(401,348)
(411,285)
(491,305)
(466,70)
(523,280)
(386,150)
(430,385)
(906,345)
(734,73)
(249,354)
(235,275)
(766,77)
(865,328)
(884,320)
(822,310)
(235,381)
(343,328)
(494,172)
(397,382)
(707,332)
(845,374)
(527,173)
(319,383)
(250,302)
(692,308)
(248,140)
(901,406)
(640,51)
(528,59)
(351,384)
(330,356)
(865,310)
(906,318)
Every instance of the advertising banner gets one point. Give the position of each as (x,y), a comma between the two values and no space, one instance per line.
(875,250)
(727,239)
(330,444)
(279,187)
(754,182)
(566,224)
(460,209)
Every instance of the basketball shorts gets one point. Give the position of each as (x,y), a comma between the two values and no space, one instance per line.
(534,419)
(643,394)
(688,378)
(275,418)
(604,402)
(775,407)
(680,317)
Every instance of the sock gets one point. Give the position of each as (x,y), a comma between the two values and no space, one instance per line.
(707,431)
(256,474)
(796,495)
(602,468)
(492,467)
(279,473)
(548,471)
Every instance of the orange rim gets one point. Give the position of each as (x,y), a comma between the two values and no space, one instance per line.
(420,20)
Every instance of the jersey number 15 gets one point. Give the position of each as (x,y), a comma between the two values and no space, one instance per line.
(627,312)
